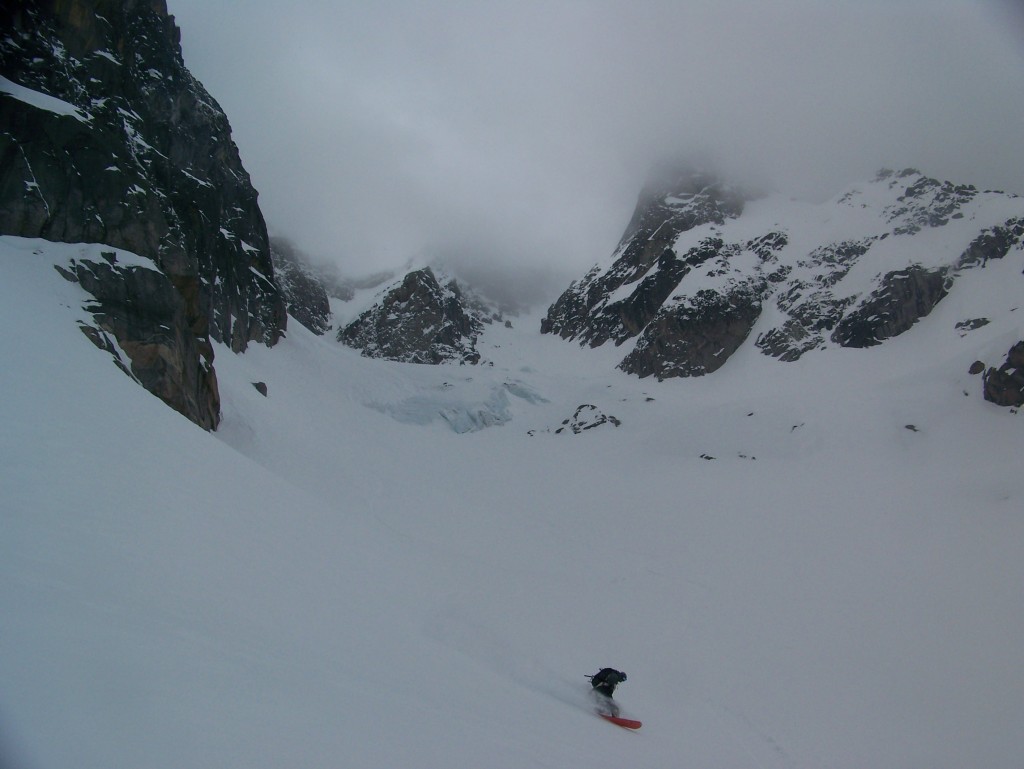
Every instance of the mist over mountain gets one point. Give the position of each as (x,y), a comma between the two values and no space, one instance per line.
(424,129)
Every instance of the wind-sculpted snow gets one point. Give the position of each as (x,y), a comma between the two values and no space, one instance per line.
(784,277)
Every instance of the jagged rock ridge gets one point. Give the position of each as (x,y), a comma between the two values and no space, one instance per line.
(592,311)
(421,319)
(107,138)
(701,272)
(304,289)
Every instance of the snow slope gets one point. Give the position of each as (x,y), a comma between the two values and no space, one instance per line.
(390,565)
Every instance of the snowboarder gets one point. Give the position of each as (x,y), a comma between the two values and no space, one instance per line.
(604,682)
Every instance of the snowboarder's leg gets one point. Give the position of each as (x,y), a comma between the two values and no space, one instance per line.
(605,704)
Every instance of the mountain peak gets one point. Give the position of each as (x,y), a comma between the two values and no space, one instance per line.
(425,317)
(703,270)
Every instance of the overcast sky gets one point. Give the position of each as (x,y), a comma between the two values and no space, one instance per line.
(515,136)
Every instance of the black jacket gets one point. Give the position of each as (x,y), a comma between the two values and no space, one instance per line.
(606,679)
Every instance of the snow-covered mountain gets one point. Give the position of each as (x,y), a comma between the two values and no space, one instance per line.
(810,557)
(703,271)
(424,317)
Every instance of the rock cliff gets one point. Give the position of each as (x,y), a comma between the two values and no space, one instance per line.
(105,137)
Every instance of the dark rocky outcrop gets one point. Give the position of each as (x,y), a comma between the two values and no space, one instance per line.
(586,417)
(113,141)
(418,320)
(137,311)
(1004,386)
(804,329)
(904,297)
(924,202)
(696,337)
(993,243)
(303,288)
(971,324)
(671,204)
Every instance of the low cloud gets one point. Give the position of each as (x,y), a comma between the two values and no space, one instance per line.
(512,139)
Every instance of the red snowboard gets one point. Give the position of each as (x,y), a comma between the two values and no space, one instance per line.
(627,723)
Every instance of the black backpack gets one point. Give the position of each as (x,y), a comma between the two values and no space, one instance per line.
(607,679)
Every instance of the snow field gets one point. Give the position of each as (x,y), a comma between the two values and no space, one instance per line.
(321,584)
